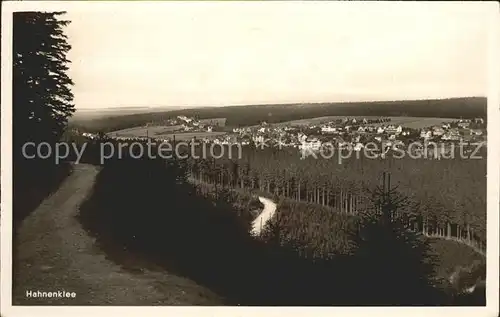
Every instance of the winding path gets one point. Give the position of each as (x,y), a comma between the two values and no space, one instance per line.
(55,253)
(270,208)
(266,214)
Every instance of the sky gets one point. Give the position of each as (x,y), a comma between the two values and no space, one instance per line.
(214,54)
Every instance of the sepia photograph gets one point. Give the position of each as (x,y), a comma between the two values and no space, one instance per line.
(249,154)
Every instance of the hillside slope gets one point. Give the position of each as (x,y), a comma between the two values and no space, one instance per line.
(54,253)
(274,113)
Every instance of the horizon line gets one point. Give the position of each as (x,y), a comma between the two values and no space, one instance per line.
(274,104)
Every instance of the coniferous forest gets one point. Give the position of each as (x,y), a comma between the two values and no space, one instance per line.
(331,228)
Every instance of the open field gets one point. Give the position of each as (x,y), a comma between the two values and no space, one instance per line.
(144,131)
(163,132)
(190,135)
(219,122)
(239,116)
(409,122)
(416,122)
(101,113)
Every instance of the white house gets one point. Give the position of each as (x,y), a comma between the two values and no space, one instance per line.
(451,135)
(209,129)
(464,125)
(90,135)
(311,144)
(425,134)
(328,129)
(393,129)
(185,119)
(437,131)
(258,139)
(343,144)
(301,137)
(475,132)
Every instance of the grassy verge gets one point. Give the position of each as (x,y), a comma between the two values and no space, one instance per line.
(30,189)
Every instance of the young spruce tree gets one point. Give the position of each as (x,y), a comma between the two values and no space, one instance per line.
(393,262)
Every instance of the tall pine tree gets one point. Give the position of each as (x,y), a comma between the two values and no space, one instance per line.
(42,97)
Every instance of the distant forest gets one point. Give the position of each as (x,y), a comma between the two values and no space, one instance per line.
(238,116)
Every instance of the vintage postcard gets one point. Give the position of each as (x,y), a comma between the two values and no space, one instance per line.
(235,158)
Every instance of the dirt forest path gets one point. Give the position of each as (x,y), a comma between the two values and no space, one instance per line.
(266,214)
(54,253)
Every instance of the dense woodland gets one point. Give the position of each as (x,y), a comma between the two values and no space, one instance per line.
(308,255)
(320,227)
(449,195)
(238,116)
